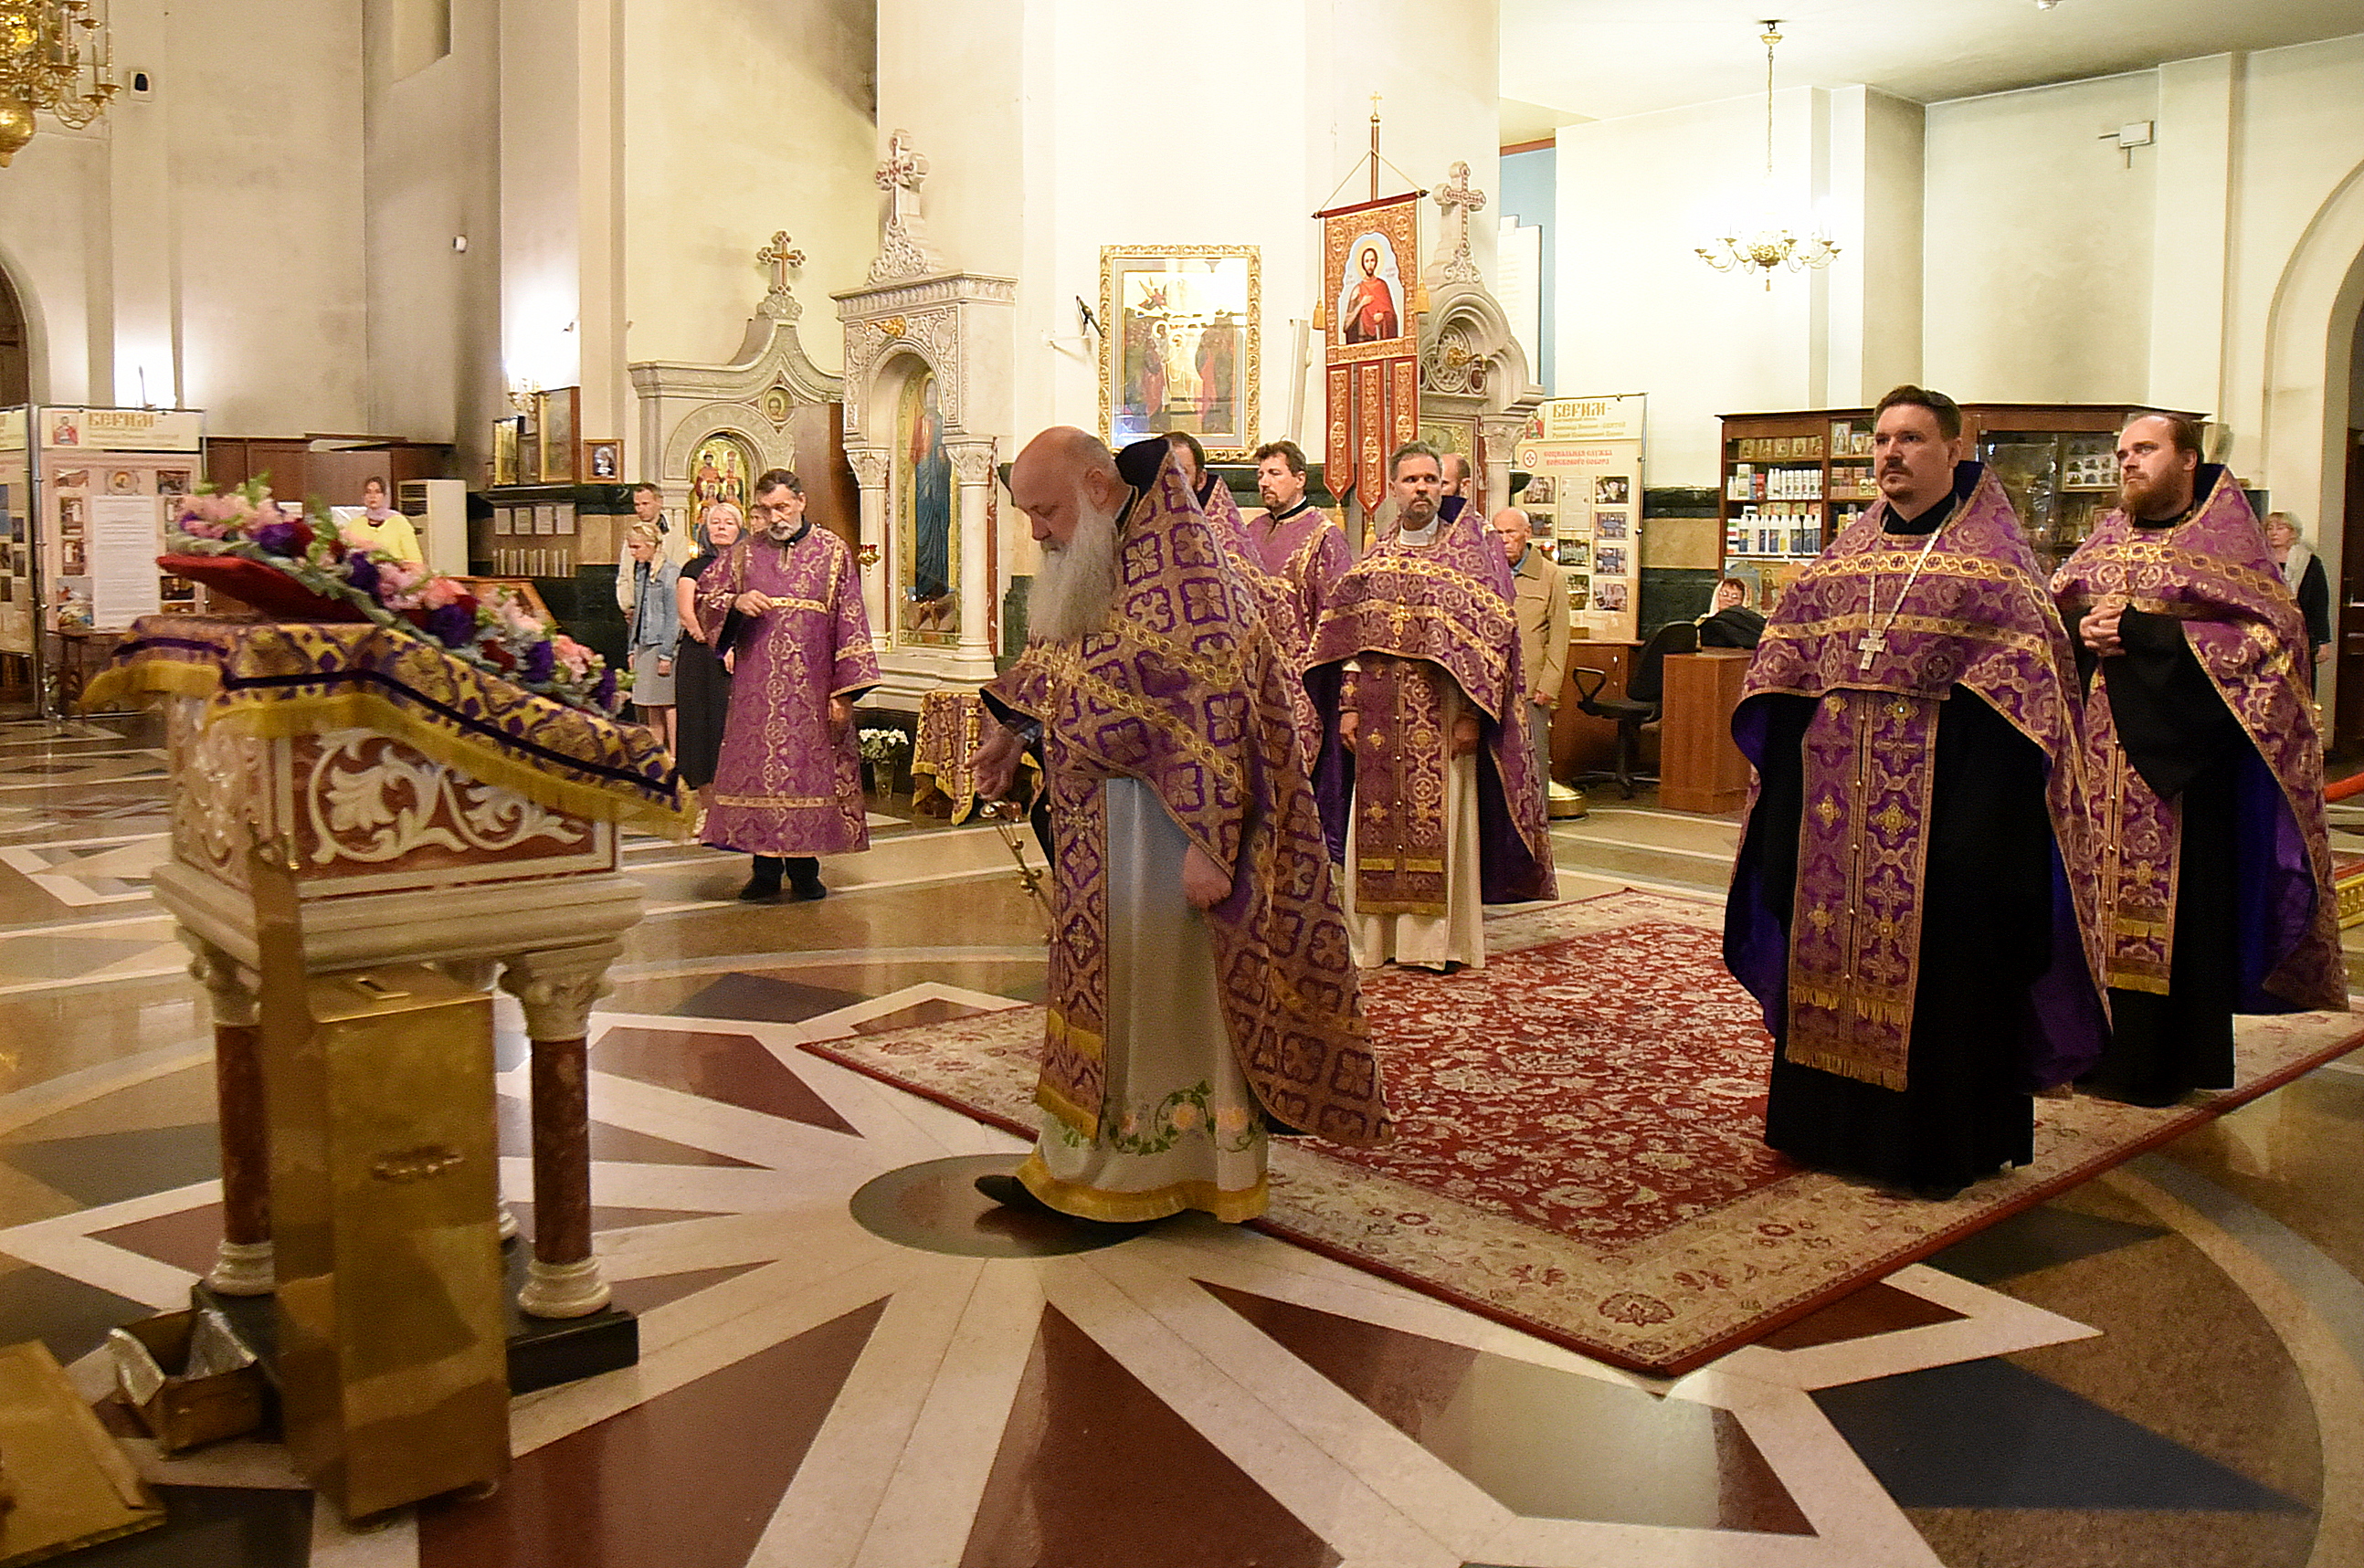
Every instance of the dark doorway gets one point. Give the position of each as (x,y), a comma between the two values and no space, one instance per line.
(16,356)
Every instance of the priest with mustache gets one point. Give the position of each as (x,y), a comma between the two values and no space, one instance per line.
(2206,772)
(1912,902)
(1202,994)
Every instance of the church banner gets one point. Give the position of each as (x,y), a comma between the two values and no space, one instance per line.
(1370,313)
(1584,494)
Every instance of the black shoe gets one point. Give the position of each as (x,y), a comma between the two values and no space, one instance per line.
(1010,1193)
(805,889)
(760,891)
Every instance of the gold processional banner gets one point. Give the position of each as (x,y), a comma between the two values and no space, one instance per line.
(1370,259)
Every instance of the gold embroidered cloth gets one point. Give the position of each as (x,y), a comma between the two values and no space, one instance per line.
(273,679)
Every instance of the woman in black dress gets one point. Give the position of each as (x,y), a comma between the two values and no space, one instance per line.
(702,681)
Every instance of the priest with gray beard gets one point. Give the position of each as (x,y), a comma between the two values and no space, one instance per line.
(1202,995)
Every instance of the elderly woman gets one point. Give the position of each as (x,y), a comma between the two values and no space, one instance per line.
(654,622)
(1730,623)
(2302,574)
(701,681)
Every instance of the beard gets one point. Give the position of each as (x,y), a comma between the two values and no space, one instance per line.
(1075,589)
(2161,497)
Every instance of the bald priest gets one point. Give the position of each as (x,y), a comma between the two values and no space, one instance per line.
(1202,992)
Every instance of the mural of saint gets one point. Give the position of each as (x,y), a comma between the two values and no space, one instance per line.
(1370,308)
(928,483)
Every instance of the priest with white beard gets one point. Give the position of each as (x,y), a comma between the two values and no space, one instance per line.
(1202,994)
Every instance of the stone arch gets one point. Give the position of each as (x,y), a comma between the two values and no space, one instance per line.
(773,447)
(24,356)
(2310,338)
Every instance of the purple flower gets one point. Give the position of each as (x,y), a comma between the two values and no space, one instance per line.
(604,694)
(539,661)
(284,538)
(361,572)
(453,625)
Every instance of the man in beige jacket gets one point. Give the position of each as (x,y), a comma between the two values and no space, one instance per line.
(1543,628)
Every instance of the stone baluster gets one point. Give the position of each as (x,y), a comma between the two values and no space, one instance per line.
(557,988)
(973,466)
(869,467)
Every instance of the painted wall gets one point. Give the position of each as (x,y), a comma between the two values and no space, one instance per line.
(1531,193)
(2039,245)
(714,163)
(205,241)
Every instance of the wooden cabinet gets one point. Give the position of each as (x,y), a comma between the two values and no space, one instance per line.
(1791,481)
(1700,768)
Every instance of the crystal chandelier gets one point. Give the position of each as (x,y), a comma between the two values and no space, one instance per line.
(1771,245)
(54,56)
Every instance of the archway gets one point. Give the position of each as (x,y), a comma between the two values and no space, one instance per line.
(15,347)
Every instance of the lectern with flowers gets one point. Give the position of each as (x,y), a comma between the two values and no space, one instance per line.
(445,777)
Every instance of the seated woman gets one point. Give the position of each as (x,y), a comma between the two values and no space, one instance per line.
(1729,622)
(655,626)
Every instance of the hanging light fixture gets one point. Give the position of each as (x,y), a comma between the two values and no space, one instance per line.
(1770,245)
(54,56)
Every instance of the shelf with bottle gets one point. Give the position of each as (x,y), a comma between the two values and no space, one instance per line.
(1756,482)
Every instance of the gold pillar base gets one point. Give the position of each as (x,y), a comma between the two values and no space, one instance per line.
(509,1224)
(563,1290)
(244,1268)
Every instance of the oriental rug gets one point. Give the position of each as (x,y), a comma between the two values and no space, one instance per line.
(1580,1156)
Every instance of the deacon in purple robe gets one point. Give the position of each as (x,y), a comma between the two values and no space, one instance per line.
(1913,903)
(1431,791)
(1294,539)
(2206,772)
(788,783)
(1202,992)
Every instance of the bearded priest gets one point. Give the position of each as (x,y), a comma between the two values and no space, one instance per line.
(2206,768)
(1913,904)
(1202,994)
(1431,791)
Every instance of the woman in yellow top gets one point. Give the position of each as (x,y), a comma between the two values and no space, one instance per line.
(382,527)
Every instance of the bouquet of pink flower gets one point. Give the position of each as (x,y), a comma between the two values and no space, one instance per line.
(495,632)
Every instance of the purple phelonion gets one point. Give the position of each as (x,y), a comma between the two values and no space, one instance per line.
(539,661)
(454,625)
(361,571)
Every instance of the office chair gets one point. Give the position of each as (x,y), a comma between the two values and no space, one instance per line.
(1638,706)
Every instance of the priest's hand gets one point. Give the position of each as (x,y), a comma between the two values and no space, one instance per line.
(993,763)
(1204,882)
(1464,736)
(840,714)
(2099,629)
(1348,722)
(752,602)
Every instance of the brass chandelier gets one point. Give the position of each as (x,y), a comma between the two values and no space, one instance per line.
(54,57)
(1771,246)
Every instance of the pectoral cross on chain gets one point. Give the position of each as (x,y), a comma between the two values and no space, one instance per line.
(1873,644)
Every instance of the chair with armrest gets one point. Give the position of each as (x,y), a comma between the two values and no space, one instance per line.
(1639,706)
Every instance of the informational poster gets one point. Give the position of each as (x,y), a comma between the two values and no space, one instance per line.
(125,534)
(1584,493)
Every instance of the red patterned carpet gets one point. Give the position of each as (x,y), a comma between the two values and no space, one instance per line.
(1579,1155)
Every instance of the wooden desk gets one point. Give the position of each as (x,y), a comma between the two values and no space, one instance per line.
(1700,768)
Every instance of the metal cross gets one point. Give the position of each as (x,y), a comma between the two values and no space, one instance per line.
(903,171)
(1873,644)
(1459,201)
(780,258)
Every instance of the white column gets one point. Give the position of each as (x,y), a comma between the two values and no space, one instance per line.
(869,466)
(973,464)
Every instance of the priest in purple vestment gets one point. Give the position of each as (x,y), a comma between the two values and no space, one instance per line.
(1914,899)
(786,602)
(1294,539)
(2205,771)
(1202,992)
(1431,795)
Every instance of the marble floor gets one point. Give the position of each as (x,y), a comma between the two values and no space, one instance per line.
(849,1362)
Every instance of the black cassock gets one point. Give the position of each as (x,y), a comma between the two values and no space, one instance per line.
(2186,744)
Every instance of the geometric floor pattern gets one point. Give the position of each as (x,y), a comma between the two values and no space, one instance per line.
(2162,1369)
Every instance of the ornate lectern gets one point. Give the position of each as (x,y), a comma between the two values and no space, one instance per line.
(432,814)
